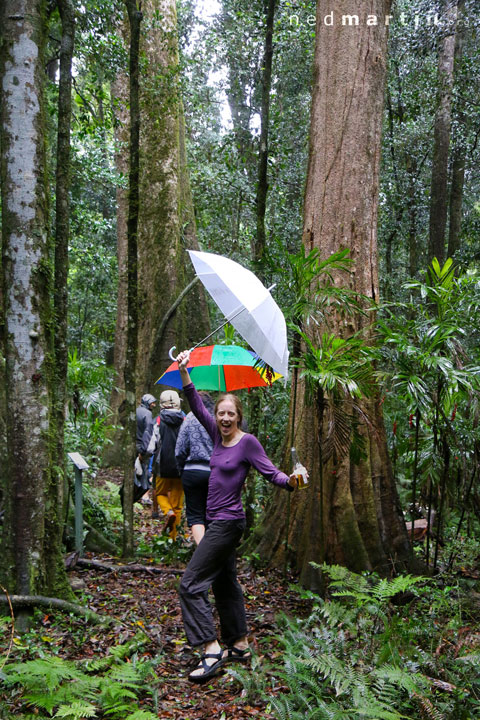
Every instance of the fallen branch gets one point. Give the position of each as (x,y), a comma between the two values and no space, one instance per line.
(64,605)
(132,568)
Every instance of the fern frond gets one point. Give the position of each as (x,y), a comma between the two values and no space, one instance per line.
(428,710)
(141,715)
(472,658)
(333,669)
(76,711)
(41,699)
(126,674)
(411,682)
(386,589)
(35,674)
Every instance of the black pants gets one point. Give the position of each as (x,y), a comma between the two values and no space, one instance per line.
(195,487)
(213,564)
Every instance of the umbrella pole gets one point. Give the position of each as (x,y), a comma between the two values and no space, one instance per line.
(231,317)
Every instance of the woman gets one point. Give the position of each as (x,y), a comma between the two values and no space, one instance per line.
(213,563)
(192,453)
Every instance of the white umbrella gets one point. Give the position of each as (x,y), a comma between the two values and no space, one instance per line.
(247,305)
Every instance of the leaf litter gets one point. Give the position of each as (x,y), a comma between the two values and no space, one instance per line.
(148,603)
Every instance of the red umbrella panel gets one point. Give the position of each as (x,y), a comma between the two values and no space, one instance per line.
(223,368)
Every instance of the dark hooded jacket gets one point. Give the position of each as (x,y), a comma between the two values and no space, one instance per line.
(169,422)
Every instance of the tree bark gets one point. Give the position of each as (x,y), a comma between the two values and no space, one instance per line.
(113,452)
(166,221)
(350,512)
(134,18)
(443,121)
(262,180)
(62,237)
(166,217)
(459,149)
(27,282)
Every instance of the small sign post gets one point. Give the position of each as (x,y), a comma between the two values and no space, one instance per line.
(80,465)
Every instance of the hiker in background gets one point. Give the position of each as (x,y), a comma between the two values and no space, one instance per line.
(192,453)
(167,484)
(143,470)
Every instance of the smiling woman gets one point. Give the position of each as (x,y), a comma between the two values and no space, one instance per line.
(214,564)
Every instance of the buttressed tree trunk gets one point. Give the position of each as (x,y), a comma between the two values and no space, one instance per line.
(350,513)
(32,565)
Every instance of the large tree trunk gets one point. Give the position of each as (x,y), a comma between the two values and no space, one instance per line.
(33,565)
(441,143)
(166,221)
(350,513)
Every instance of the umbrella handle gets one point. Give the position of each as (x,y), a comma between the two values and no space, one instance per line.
(170,353)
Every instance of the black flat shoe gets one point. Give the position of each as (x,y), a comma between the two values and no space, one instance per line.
(208,670)
(234,654)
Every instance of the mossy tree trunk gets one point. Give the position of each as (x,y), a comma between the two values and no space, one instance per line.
(350,512)
(167,226)
(166,217)
(459,150)
(441,140)
(30,551)
(62,237)
(134,18)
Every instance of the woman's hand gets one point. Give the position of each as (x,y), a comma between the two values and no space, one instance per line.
(292,481)
(182,360)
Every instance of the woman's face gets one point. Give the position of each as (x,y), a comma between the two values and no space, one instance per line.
(227,418)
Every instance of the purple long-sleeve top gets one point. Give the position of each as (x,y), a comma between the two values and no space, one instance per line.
(230,465)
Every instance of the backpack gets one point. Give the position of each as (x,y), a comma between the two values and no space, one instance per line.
(165,436)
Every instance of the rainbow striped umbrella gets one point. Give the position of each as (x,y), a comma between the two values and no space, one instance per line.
(221,367)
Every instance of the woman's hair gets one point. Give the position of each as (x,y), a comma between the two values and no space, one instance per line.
(236,401)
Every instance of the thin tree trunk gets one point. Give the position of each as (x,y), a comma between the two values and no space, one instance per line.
(459,150)
(443,121)
(62,237)
(114,451)
(262,181)
(134,17)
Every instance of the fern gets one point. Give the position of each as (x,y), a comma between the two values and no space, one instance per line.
(410,682)
(141,715)
(55,684)
(76,711)
(48,674)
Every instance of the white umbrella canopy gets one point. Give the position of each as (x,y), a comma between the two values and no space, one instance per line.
(247,305)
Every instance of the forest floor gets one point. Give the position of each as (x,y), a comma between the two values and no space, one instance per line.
(149,603)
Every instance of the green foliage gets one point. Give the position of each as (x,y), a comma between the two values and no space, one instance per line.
(89,383)
(77,690)
(369,651)
(432,380)
(166,550)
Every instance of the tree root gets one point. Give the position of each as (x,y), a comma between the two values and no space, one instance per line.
(132,567)
(42,601)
